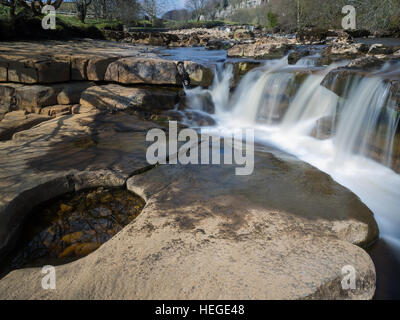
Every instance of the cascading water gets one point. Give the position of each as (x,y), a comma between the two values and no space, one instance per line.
(353,126)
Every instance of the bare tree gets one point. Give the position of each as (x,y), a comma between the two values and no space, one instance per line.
(35,6)
(177,15)
(197,7)
(125,10)
(82,7)
(154,8)
(211,8)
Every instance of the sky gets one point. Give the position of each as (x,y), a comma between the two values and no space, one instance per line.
(177,4)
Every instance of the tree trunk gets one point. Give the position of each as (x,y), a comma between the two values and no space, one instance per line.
(12,10)
(298,14)
(82,11)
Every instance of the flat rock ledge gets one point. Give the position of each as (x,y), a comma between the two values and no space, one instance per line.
(284,232)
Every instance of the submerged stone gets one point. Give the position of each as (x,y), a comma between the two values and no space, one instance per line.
(71,227)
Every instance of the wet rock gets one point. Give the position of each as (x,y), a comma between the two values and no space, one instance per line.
(395,93)
(391,33)
(240,69)
(381,49)
(242,34)
(295,56)
(33,98)
(358,33)
(341,37)
(337,80)
(70,93)
(143,71)
(366,63)
(324,128)
(75,230)
(17,121)
(311,35)
(259,50)
(198,101)
(199,75)
(345,51)
(115,97)
(219,44)
(90,67)
(274,108)
(72,237)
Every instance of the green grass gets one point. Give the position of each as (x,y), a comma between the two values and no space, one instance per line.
(98,23)
(4,11)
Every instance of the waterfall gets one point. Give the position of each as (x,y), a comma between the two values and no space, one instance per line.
(340,136)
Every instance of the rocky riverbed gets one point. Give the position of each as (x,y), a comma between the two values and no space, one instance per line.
(74,115)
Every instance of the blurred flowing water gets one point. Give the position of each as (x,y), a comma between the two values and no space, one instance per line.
(350,129)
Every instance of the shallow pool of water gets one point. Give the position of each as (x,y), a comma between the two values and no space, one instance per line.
(72,226)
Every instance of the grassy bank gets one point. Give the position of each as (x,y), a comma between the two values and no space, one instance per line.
(25,27)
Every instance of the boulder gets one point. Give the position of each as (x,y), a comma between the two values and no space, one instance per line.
(36,70)
(16,121)
(97,67)
(143,71)
(274,108)
(338,79)
(366,63)
(57,110)
(312,35)
(381,49)
(70,93)
(259,50)
(113,97)
(3,71)
(219,44)
(79,65)
(341,37)
(345,51)
(358,33)
(33,98)
(191,118)
(242,34)
(240,69)
(7,97)
(195,118)
(296,55)
(199,75)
